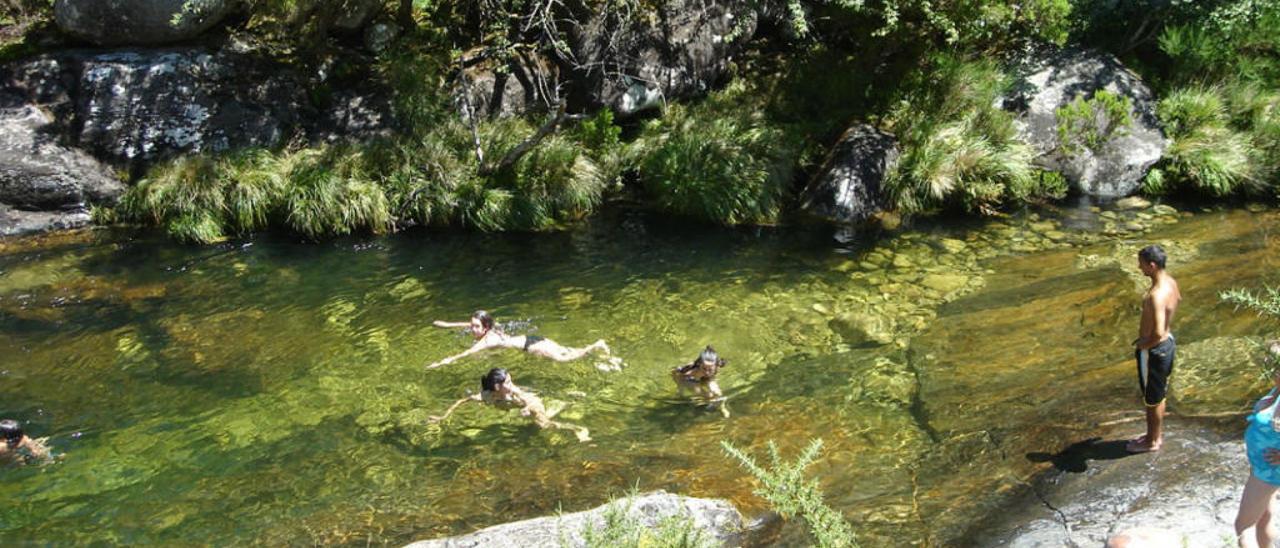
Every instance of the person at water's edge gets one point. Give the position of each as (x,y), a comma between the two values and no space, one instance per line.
(497,388)
(1155,347)
(488,336)
(1255,523)
(18,446)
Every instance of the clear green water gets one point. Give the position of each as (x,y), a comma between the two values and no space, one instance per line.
(275,392)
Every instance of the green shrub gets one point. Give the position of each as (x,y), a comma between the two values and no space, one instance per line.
(1230,40)
(330,195)
(1221,141)
(1213,159)
(439,180)
(786,490)
(201,198)
(622,529)
(1266,303)
(957,147)
(1088,124)
(717,161)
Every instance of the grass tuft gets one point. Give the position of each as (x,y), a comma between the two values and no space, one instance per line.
(958,149)
(717,161)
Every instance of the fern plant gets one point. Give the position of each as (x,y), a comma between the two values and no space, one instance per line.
(785,488)
(1265,302)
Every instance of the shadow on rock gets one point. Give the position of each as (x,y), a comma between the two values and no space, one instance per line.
(1075,458)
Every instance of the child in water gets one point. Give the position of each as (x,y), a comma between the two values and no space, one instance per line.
(496,388)
(700,377)
(18,448)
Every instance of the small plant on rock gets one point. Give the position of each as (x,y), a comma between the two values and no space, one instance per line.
(784,486)
(1088,124)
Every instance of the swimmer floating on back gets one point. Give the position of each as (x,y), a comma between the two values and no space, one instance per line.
(17,447)
(700,377)
(496,388)
(489,336)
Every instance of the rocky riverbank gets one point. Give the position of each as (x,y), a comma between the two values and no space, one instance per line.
(1184,495)
(711,519)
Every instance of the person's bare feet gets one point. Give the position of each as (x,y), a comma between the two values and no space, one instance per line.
(602,347)
(1141,445)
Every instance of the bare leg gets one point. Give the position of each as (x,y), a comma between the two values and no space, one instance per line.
(580,431)
(1155,426)
(1255,505)
(1266,528)
(550,349)
(1154,438)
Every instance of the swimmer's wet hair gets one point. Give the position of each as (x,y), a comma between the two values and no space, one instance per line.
(486,321)
(11,430)
(1153,254)
(709,355)
(490,381)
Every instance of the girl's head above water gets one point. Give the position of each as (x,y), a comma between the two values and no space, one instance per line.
(493,379)
(481,322)
(12,431)
(709,357)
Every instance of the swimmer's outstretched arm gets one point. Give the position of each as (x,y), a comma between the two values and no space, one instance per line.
(442,323)
(474,348)
(434,419)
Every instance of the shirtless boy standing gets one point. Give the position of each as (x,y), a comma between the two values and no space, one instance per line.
(1155,345)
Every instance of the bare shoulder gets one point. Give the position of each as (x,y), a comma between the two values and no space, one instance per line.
(1167,292)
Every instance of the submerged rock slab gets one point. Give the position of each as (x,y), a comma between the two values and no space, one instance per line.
(1190,490)
(717,519)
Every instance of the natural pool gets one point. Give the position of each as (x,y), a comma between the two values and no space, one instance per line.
(274,392)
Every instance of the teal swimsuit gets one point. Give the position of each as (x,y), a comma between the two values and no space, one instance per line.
(1259,437)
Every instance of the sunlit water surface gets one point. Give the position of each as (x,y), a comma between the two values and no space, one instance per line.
(272,391)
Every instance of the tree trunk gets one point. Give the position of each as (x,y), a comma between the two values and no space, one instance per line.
(404,16)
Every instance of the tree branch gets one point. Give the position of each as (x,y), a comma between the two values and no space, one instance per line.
(525,146)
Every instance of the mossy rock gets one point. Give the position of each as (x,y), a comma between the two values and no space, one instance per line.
(863,329)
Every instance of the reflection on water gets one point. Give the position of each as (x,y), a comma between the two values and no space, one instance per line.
(274,392)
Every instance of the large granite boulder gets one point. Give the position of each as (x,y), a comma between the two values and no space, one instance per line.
(17,222)
(523,83)
(132,108)
(638,63)
(716,519)
(617,59)
(38,173)
(139,22)
(44,185)
(1049,81)
(847,188)
(353,15)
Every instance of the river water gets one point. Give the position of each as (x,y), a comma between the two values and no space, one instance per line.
(271,391)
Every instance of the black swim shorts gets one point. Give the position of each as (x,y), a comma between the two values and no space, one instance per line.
(1154,367)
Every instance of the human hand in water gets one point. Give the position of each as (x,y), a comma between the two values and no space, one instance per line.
(1272,456)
